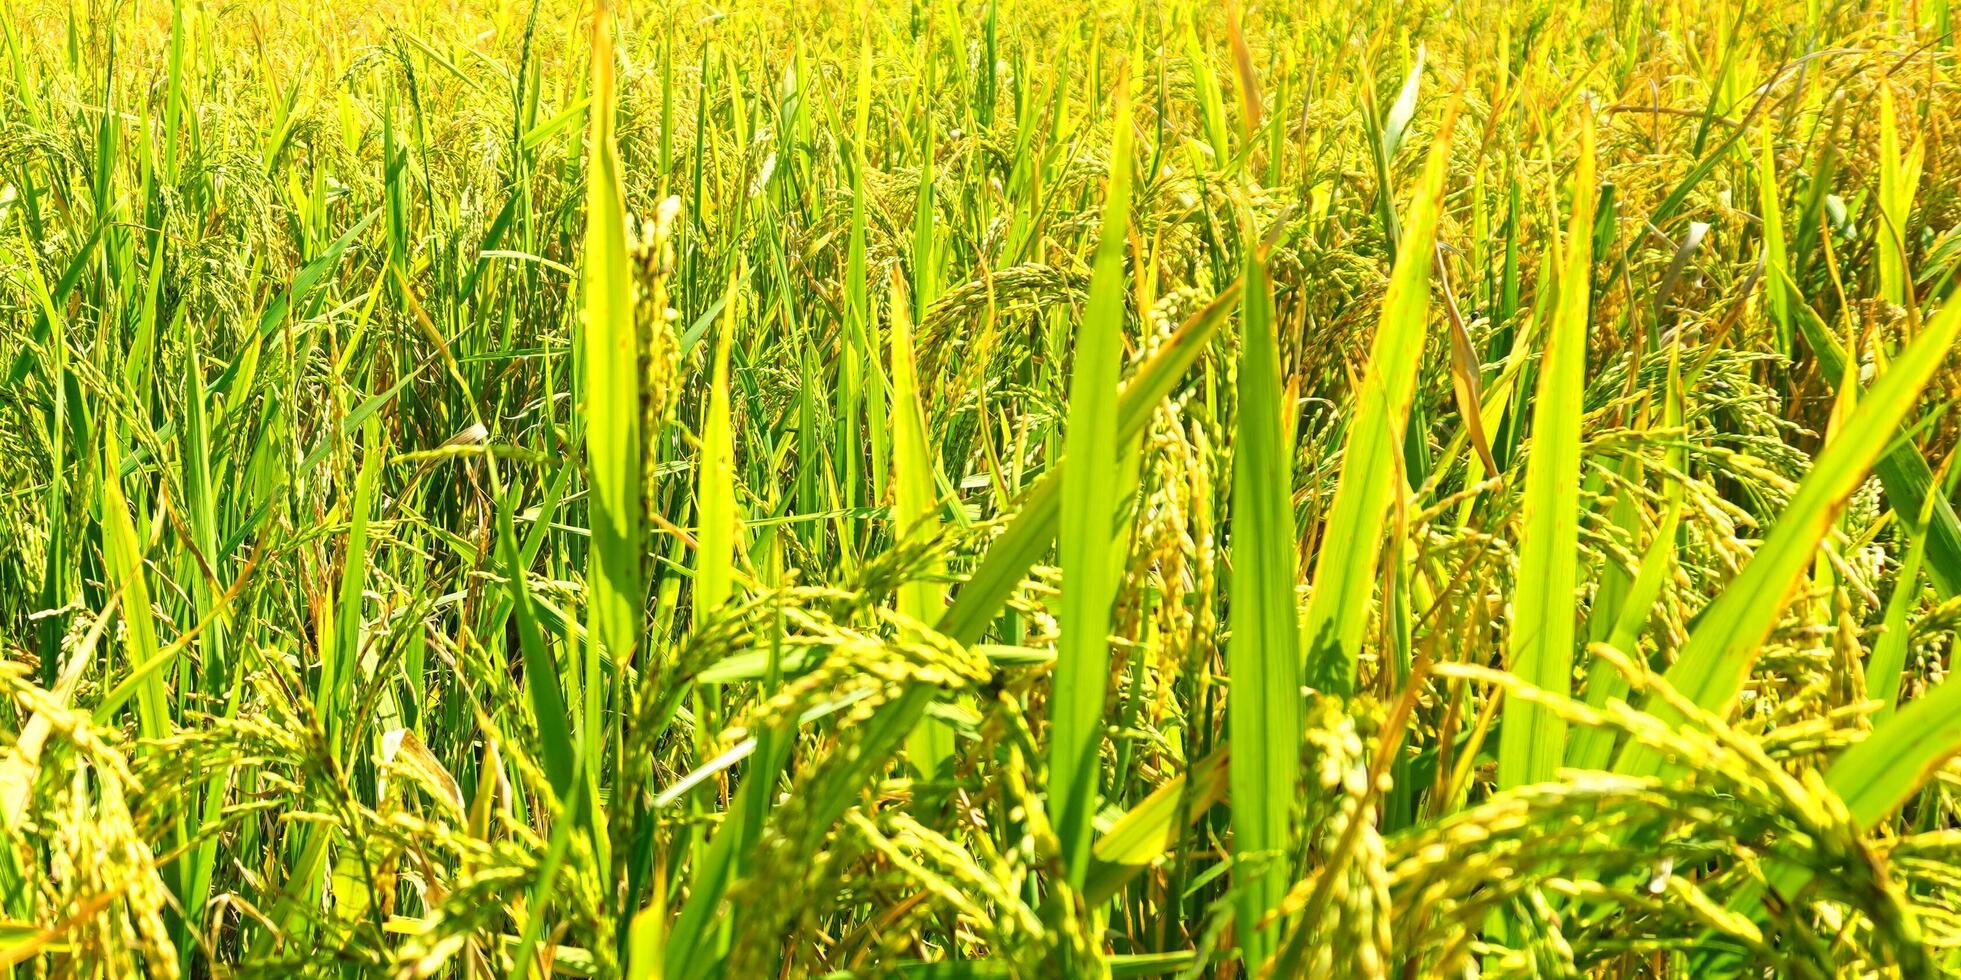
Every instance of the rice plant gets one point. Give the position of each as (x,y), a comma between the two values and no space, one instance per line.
(669,490)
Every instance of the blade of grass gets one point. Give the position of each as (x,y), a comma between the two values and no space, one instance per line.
(1263,712)
(611,391)
(1716,660)
(1344,576)
(1889,654)
(123,554)
(1034,525)
(1146,831)
(923,599)
(1903,472)
(1877,775)
(715,482)
(1533,739)
(1090,494)
(1898,175)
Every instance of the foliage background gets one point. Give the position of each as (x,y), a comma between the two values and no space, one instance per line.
(427,552)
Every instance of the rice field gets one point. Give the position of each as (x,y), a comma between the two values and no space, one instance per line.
(1140,488)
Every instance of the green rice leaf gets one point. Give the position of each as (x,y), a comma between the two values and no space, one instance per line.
(1533,740)
(1090,493)
(1263,711)
(612,380)
(1338,608)
(1717,658)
